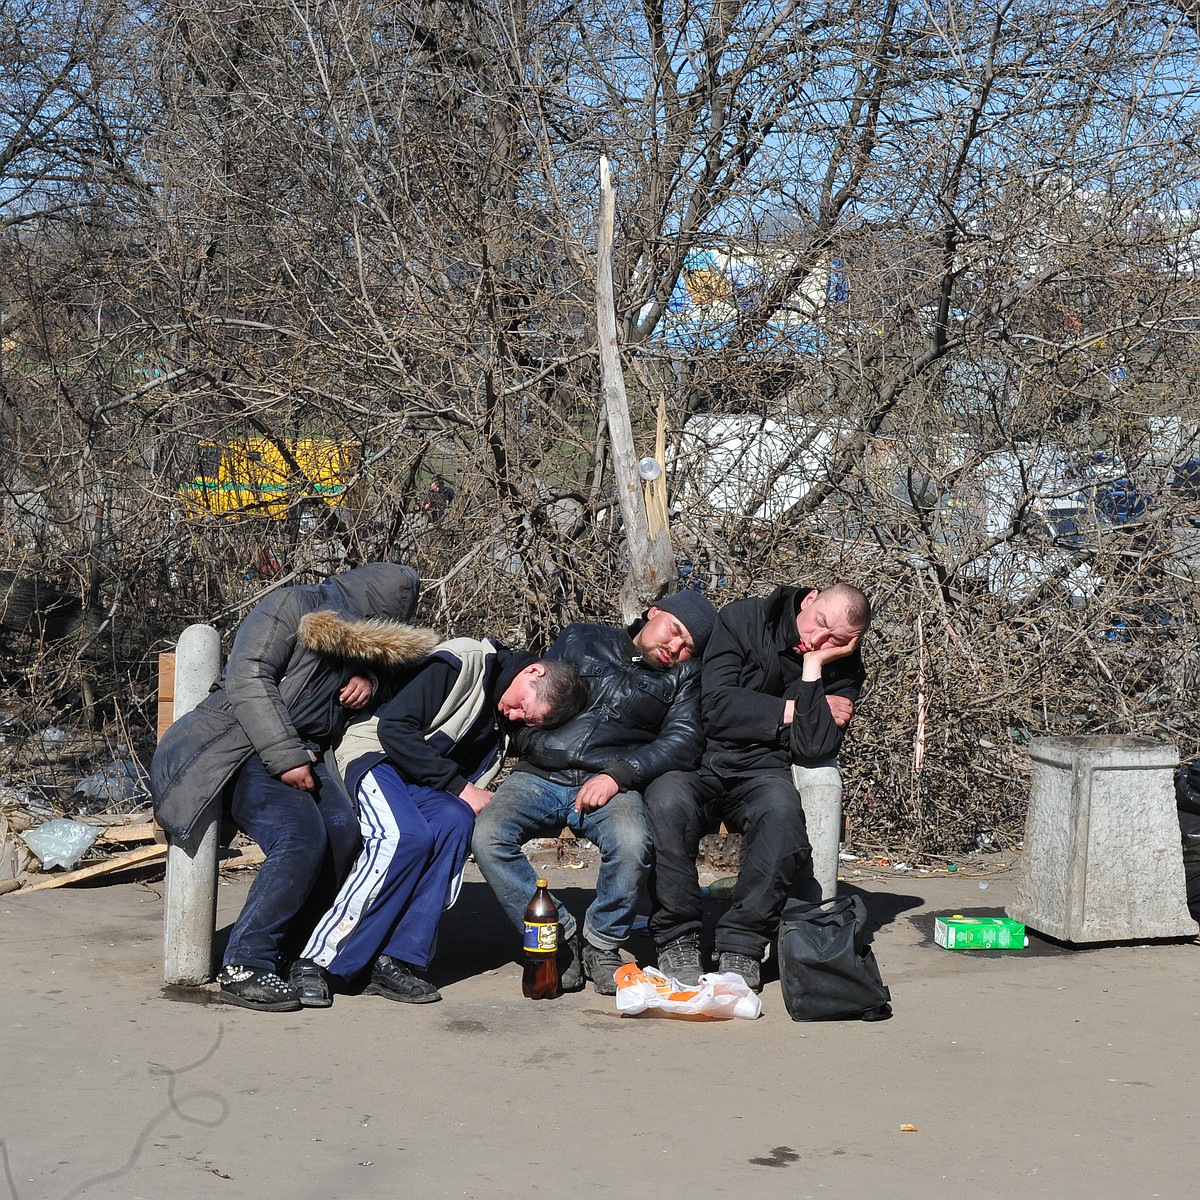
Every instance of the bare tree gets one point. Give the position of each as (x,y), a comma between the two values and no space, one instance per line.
(911,286)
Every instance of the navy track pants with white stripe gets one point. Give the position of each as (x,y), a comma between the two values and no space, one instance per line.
(415,842)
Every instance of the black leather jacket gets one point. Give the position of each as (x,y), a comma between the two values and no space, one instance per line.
(640,721)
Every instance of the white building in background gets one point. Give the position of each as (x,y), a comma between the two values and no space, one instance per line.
(743,465)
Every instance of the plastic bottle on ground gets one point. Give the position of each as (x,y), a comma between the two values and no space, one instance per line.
(540,979)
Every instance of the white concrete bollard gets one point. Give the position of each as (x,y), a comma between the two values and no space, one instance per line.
(820,789)
(1102,860)
(190,908)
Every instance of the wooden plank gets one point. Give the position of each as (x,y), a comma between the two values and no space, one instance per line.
(134,858)
(144,832)
(166,691)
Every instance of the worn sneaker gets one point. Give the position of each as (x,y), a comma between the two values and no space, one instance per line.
(399,981)
(600,966)
(681,960)
(252,987)
(570,962)
(750,969)
(310,983)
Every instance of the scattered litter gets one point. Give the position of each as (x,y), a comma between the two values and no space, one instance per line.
(53,738)
(716,997)
(61,843)
(11,797)
(41,799)
(846,856)
(958,932)
(908,1129)
(117,784)
(14,854)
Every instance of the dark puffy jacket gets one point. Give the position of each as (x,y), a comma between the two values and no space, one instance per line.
(278,695)
(640,720)
(750,670)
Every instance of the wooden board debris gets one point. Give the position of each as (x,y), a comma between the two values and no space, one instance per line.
(251,856)
(142,832)
(166,691)
(133,858)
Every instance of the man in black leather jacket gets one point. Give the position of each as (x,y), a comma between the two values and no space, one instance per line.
(642,719)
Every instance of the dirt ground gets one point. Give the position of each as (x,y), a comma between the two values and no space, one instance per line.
(1051,1072)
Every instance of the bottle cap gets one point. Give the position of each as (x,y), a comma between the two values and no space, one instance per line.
(542,883)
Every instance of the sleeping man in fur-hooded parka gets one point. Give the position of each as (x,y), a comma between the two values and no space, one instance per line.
(303,660)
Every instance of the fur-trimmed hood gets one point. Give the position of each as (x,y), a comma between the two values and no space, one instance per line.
(388,643)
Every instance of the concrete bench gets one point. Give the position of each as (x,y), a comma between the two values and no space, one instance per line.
(190,903)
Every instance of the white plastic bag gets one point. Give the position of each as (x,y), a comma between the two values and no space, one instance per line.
(715,998)
(61,843)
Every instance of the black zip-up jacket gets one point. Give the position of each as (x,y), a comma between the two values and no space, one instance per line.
(441,728)
(750,670)
(640,720)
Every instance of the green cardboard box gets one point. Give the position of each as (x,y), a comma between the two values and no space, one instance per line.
(979,933)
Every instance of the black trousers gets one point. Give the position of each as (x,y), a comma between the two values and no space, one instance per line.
(764,807)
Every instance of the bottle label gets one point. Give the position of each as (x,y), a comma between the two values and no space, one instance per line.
(541,939)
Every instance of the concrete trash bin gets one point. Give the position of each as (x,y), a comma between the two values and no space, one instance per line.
(1103,860)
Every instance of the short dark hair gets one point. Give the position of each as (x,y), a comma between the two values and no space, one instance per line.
(561,689)
(858,607)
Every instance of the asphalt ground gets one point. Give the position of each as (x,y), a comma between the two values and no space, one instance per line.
(1050,1072)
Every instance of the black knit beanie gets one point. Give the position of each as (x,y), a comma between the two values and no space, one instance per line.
(697,612)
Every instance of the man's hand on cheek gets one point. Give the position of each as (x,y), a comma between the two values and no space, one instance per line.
(831,652)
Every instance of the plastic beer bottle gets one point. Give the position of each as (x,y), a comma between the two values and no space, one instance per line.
(540,981)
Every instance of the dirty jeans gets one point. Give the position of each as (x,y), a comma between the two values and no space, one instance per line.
(309,840)
(526,806)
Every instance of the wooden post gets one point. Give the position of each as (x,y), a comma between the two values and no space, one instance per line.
(651,561)
(166,691)
(190,909)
